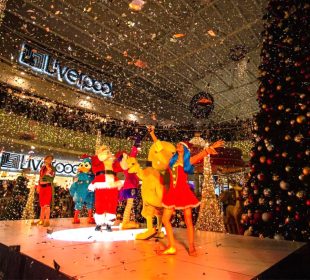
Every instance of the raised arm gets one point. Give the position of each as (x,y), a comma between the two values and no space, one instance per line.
(151,130)
(208,151)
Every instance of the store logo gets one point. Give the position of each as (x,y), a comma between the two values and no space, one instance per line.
(46,64)
(18,162)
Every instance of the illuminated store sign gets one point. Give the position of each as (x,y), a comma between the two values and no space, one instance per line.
(48,65)
(18,162)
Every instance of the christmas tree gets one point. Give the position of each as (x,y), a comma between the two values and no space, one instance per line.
(28,213)
(210,217)
(18,200)
(278,196)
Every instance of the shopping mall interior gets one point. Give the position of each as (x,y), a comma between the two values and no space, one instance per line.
(160,139)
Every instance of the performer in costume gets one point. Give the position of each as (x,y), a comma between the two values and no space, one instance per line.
(47,175)
(106,186)
(129,190)
(80,193)
(179,195)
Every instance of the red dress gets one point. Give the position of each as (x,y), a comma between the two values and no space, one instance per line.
(179,195)
(45,188)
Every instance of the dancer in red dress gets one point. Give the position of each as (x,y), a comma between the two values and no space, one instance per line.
(179,195)
(47,174)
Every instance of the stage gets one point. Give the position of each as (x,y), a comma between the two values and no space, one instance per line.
(83,253)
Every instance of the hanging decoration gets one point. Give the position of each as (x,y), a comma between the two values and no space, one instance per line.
(238,52)
(201,105)
(136,5)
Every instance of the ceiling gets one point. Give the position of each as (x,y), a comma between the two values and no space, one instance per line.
(157,58)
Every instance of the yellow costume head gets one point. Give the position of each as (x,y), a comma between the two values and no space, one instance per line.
(160,154)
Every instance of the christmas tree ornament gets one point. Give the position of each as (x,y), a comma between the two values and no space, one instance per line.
(306,170)
(288,168)
(300,119)
(267,192)
(266,217)
(284,185)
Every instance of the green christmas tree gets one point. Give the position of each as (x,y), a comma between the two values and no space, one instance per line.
(15,207)
(278,195)
(28,213)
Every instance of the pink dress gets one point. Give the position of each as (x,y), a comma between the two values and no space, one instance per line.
(179,195)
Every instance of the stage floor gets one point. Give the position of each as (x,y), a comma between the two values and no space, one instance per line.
(103,255)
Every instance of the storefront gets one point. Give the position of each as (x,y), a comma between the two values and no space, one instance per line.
(13,164)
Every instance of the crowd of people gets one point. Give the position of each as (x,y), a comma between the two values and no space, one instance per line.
(60,115)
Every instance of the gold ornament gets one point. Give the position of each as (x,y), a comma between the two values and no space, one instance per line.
(284,154)
(306,170)
(287,137)
(298,138)
(283,185)
(300,119)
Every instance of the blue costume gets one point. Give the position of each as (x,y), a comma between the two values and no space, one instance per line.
(80,193)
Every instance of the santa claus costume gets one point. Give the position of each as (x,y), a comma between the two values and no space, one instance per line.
(106,186)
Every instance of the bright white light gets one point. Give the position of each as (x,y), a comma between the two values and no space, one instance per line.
(88,234)
(19,82)
(32,147)
(132,117)
(85,104)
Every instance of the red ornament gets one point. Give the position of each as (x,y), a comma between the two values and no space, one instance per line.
(308,202)
(269,161)
(297,217)
(261,177)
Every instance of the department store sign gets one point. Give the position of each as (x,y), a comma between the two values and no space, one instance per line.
(46,64)
(18,162)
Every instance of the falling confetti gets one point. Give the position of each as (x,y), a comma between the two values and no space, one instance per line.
(136,5)
(140,64)
(211,33)
(178,35)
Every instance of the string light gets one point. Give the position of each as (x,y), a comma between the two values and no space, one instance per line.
(58,138)
(2,8)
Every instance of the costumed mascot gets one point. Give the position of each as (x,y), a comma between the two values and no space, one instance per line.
(106,186)
(153,184)
(80,193)
(129,190)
